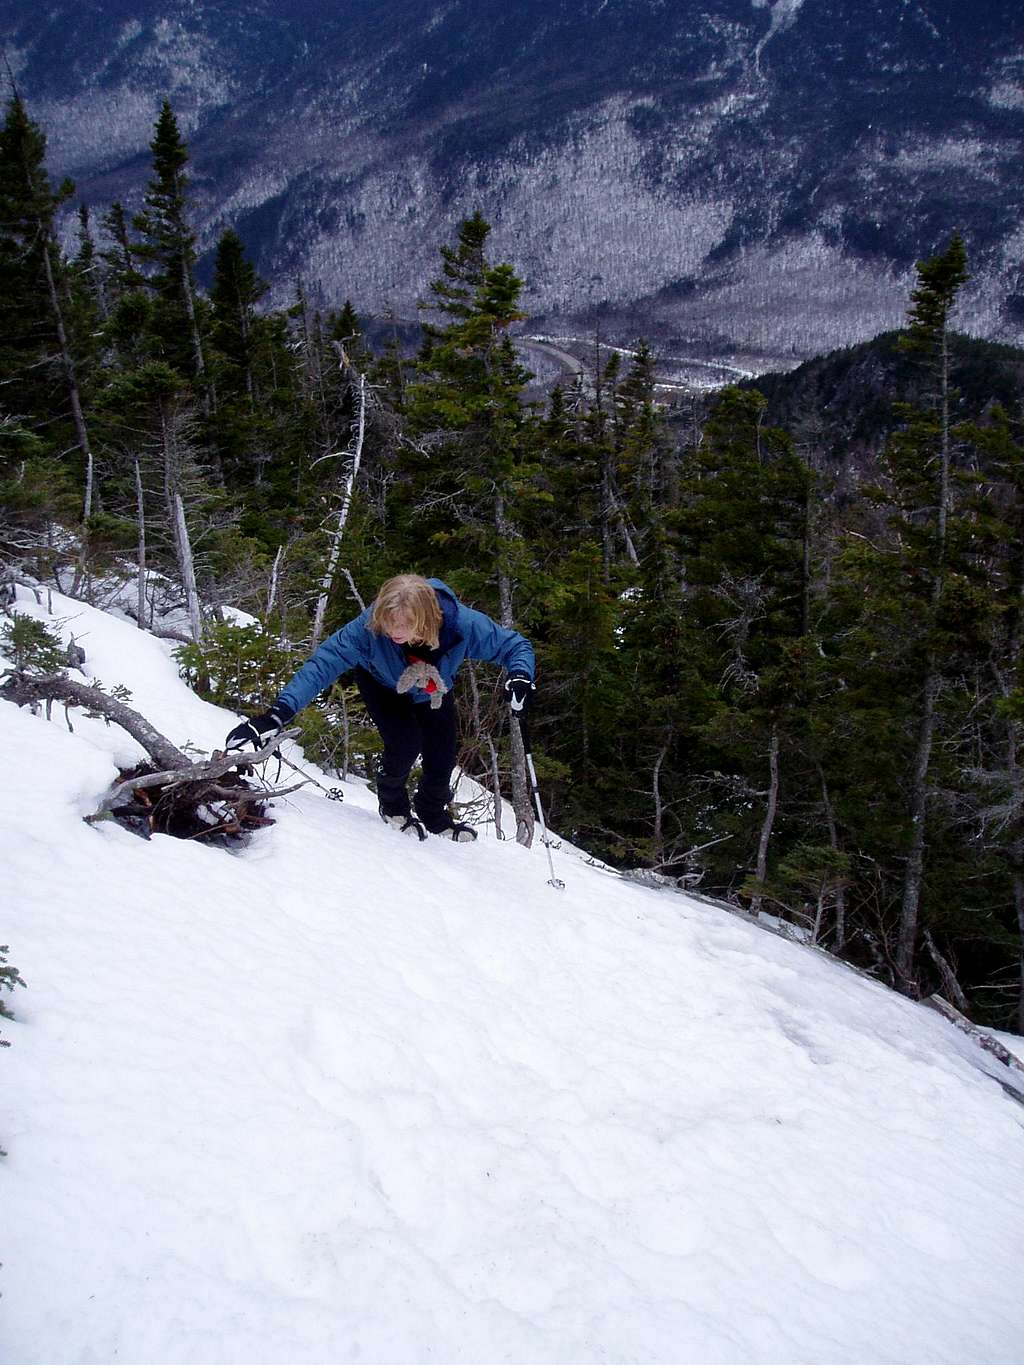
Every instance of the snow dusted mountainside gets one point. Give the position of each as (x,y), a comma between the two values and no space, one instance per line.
(346,1097)
(734,175)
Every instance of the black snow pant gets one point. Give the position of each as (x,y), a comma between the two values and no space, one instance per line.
(410,729)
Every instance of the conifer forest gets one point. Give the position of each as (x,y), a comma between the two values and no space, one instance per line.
(778,625)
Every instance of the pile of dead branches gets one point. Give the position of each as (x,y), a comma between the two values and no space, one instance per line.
(211,800)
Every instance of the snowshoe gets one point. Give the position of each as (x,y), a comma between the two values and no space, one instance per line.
(461,833)
(405,824)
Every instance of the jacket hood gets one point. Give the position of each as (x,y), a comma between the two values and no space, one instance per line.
(449,605)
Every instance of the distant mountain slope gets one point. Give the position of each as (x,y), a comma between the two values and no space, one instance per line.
(843,403)
(737,174)
(342,1097)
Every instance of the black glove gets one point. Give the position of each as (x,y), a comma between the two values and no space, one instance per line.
(259,729)
(519,693)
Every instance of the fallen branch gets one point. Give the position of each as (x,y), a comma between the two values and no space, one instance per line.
(183,790)
(166,633)
(983,1039)
(10,581)
(950,984)
(187,773)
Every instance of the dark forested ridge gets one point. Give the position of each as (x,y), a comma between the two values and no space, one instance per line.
(845,403)
(728,177)
(779,628)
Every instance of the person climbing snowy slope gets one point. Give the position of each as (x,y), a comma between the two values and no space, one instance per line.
(406,649)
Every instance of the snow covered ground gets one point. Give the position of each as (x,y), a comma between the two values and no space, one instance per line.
(343,1097)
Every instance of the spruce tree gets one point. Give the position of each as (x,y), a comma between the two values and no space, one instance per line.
(234,333)
(991,751)
(128,333)
(168,247)
(739,541)
(475,470)
(35,311)
(467,406)
(904,629)
(27,207)
(921,460)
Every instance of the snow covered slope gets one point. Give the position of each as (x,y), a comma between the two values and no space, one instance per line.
(344,1097)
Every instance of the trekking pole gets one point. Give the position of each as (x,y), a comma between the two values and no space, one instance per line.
(535,791)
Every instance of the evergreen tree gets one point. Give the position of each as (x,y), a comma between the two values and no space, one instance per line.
(475,473)
(129,309)
(234,333)
(642,448)
(85,267)
(908,619)
(466,411)
(921,460)
(248,357)
(34,307)
(168,247)
(991,750)
(27,208)
(121,273)
(739,530)
(345,331)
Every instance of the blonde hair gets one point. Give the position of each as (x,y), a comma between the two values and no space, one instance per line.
(410,597)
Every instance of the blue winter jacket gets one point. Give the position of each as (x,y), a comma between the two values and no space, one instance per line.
(465,634)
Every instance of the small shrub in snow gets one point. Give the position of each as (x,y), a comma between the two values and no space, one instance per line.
(237,666)
(9,977)
(32,647)
(244,668)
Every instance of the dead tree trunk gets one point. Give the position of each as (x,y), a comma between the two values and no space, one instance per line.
(188,571)
(952,987)
(833,839)
(492,750)
(140,514)
(176,516)
(184,788)
(658,842)
(984,1040)
(761,870)
(188,293)
(478,729)
(910,905)
(327,582)
(71,378)
(275,578)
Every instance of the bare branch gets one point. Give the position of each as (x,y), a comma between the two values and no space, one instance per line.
(355,590)
(209,771)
